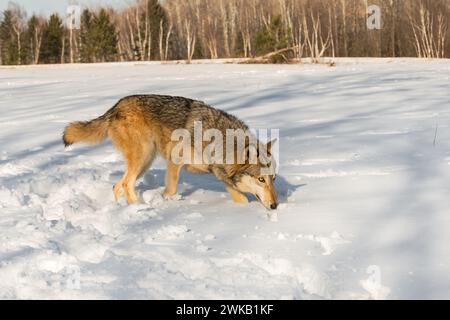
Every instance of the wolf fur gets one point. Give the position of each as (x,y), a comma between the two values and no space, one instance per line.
(141,127)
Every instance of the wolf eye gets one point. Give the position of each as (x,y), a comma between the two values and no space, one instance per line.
(274,177)
(261,179)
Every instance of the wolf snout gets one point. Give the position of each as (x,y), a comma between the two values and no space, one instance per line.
(273,206)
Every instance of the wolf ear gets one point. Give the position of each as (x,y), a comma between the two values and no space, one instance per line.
(270,144)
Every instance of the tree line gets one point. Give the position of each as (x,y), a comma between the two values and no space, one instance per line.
(275,30)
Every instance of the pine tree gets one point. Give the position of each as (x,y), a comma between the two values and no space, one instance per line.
(156,15)
(86,38)
(33,38)
(52,42)
(9,50)
(104,38)
(272,37)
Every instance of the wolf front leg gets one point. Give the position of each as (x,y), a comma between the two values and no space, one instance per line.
(172,176)
(237,196)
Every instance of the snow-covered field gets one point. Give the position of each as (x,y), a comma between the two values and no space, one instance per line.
(364,184)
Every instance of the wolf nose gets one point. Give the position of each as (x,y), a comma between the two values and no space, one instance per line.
(273,206)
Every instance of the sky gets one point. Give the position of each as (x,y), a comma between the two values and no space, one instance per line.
(47,7)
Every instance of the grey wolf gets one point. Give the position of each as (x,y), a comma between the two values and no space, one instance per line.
(141,127)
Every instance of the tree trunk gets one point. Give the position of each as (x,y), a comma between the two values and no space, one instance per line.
(133,42)
(37,45)
(166,54)
(71,44)
(63,49)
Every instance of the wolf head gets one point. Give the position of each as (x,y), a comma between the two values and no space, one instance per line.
(258,177)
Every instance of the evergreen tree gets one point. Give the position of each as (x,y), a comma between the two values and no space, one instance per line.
(272,37)
(104,38)
(98,37)
(52,42)
(9,50)
(156,15)
(86,38)
(33,38)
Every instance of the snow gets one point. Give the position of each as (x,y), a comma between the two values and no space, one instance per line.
(364,186)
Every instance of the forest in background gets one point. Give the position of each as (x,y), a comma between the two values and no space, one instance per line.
(264,30)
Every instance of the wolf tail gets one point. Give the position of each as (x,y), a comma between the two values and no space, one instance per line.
(94,131)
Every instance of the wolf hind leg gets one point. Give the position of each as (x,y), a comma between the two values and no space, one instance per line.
(150,155)
(123,185)
(138,153)
(139,159)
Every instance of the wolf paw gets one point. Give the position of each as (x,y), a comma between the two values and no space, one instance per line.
(171,196)
(239,198)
